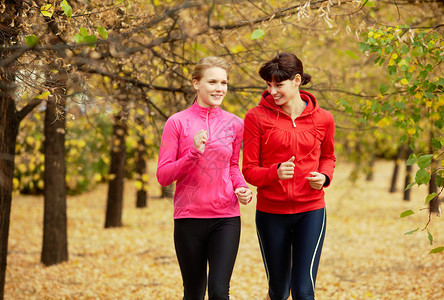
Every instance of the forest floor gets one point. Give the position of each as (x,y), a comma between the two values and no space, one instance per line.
(366,253)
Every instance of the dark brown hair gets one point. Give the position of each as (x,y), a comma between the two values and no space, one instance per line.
(282,67)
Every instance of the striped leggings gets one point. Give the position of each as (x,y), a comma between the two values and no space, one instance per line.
(291,246)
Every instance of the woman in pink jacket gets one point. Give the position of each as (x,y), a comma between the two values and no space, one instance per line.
(200,150)
(289,155)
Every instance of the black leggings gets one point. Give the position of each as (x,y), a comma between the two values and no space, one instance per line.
(199,241)
(291,247)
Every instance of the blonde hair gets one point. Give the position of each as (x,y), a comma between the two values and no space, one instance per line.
(210,62)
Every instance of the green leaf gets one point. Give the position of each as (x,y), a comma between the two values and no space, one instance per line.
(422,177)
(405,49)
(410,185)
(31,40)
(364,47)
(411,232)
(79,38)
(406,213)
(383,88)
(392,70)
(425,160)
(430,237)
(257,34)
(351,54)
(430,197)
(368,3)
(84,31)
(67,9)
(411,160)
(102,32)
(436,250)
(47,10)
(91,40)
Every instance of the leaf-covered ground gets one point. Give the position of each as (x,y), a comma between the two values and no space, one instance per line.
(366,254)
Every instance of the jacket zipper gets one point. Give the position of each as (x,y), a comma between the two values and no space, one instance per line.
(208,123)
(290,182)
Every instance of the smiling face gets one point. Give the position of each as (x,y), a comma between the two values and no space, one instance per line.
(212,87)
(285,91)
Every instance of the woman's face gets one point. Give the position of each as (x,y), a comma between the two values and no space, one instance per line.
(212,87)
(284,91)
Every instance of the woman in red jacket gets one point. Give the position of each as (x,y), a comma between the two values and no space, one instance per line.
(289,155)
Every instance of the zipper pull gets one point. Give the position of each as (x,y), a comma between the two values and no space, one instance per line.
(294,124)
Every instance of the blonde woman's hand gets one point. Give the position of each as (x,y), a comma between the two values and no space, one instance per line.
(244,195)
(200,139)
(316,180)
(286,169)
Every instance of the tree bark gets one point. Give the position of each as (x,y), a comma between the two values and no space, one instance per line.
(433,188)
(396,170)
(408,176)
(141,173)
(8,136)
(55,236)
(117,173)
(9,125)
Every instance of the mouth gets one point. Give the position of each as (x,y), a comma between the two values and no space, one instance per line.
(217,96)
(276,98)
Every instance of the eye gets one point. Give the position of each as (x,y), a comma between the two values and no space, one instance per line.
(224,82)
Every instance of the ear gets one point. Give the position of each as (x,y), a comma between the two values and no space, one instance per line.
(297,80)
(196,84)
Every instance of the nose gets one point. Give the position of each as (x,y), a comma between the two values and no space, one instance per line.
(272,90)
(219,87)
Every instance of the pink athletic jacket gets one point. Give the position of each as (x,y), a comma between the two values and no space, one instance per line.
(205,181)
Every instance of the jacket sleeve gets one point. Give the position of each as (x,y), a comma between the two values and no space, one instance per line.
(236,176)
(327,159)
(253,172)
(169,168)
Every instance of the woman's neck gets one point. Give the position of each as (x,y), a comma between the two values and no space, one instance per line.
(294,107)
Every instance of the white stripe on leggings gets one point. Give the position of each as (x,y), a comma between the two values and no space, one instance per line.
(316,250)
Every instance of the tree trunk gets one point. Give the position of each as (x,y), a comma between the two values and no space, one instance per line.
(396,170)
(8,136)
(55,237)
(433,188)
(9,126)
(141,173)
(371,169)
(408,176)
(117,174)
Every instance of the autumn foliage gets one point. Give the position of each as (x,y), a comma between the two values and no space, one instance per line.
(366,253)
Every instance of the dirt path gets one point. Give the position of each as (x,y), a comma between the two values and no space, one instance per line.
(366,254)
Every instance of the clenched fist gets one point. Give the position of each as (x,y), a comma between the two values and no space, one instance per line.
(200,139)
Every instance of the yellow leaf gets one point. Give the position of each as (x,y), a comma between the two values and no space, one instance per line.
(404,81)
(16,183)
(411,130)
(22,168)
(97,177)
(44,95)
(139,185)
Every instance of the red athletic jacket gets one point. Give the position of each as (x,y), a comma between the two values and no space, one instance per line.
(271,137)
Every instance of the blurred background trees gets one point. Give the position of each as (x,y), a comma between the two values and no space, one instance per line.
(114,71)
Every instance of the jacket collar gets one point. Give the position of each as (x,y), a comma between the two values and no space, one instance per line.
(312,105)
(204,111)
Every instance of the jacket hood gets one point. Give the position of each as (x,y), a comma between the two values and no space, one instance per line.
(312,104)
